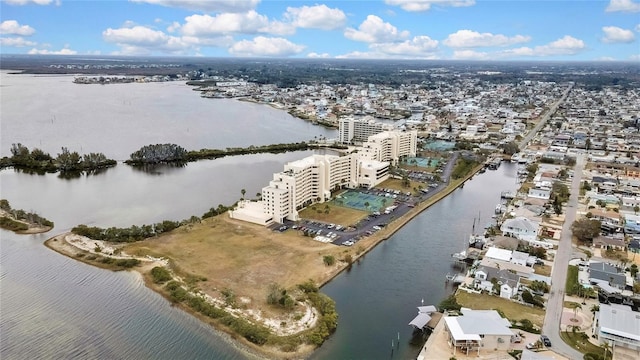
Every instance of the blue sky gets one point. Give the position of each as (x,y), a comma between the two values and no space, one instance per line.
(401,29)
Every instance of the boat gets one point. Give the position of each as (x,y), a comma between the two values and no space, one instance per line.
(507,195)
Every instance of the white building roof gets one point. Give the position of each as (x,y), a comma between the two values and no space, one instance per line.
(620,320)
(520,223)
(498,254)
(420,321)
(474,323)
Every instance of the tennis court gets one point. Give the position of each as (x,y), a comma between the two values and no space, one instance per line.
(357,200)
(422,162)
(439,145)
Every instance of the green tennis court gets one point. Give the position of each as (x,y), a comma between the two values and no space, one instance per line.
(357,200)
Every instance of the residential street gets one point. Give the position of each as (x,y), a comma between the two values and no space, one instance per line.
(543,121)
(553,315)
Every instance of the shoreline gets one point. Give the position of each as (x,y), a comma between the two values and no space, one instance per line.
(32,228)
(400,222)
(60,245)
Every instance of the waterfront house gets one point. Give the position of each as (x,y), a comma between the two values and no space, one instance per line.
(477,329)
(490,279)
(521,228)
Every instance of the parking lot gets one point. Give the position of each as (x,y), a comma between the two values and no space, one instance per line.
(388,205)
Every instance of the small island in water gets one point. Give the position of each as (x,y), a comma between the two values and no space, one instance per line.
(22,222)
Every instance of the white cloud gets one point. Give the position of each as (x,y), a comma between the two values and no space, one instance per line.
(470,39)
(16,42)
(316,17)
(638,28)
(233,23)
(470,55)
(64,51)
(623,6)
(314,55)
(634,57)
(357,55)
(567,45)
(418,47)
(614,34)
(374,30)
(25,2)
(207,6)
(266,46)
(143,40)
(605,58)
(425,5)
(175,26)
(12,27)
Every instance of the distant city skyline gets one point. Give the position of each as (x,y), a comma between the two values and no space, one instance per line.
(595,30)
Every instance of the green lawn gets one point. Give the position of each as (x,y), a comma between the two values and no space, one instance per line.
(580,342)
(512,310)
(572,279)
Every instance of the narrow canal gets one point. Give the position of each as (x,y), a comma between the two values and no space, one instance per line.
(377,298)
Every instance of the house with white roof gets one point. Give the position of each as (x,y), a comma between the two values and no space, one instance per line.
(521,228)
(619,326)
(477,329)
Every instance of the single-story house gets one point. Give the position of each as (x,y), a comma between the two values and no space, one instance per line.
(477,329)
(608,242)
(607,272)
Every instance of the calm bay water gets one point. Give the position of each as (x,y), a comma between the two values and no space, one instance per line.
(49,112)
(54,307)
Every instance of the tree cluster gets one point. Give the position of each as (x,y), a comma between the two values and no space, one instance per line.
(132,233)
(586,229)
(21,215)
(463,168)
(65,161)
(158,154)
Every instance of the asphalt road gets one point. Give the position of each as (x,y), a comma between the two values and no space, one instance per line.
(551,326)
(545,117)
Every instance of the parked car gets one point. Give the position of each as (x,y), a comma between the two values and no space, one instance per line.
(532,346)
(545,340)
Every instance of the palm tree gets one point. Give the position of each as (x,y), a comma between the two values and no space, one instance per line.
(606,348)
(576,307)
(588,293)
(243,191)
(594,309)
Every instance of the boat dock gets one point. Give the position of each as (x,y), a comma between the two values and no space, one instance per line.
(455,278)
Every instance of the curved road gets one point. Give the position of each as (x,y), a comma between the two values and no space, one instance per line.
(553,314)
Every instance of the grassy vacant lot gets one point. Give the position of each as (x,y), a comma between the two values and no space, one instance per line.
(242,257)
(332,213)
(572,279)
(544,270)
(512,310)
